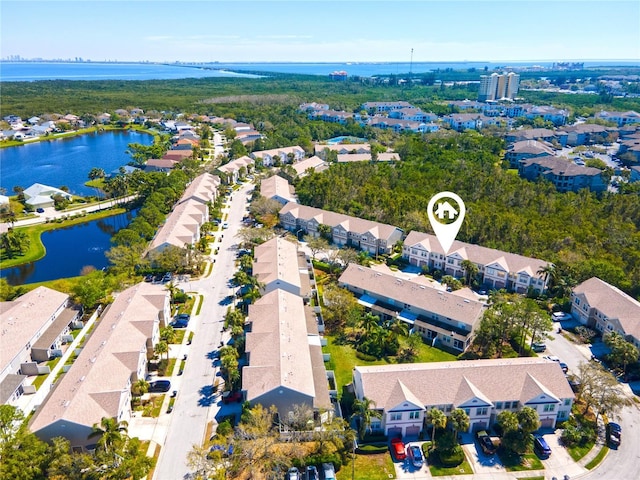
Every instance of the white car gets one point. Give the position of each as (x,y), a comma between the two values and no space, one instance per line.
(560,316)
(553,358)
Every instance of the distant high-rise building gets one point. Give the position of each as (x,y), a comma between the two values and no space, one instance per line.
(496,86)
(513,83)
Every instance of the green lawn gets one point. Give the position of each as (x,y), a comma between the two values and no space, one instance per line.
(579,451)
(369,467)
(463,469)
(343,359)
(598,458)
(519,463)
(179,336)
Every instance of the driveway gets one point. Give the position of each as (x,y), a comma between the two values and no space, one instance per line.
(406,471)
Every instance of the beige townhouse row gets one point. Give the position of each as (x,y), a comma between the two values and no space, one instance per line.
(112,359)
(404,393)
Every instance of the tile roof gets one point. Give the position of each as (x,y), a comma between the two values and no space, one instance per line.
(302,166)
(612,302)
(277,346)
(511,262)
(24,317)
(492,380)
(530,146)
(352,224)
(561,166)
(418,295)
(354,157)
(277,259)
(94,385)
(277,186)
(182,225)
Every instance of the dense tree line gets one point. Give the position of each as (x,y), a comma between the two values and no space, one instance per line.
(584,233)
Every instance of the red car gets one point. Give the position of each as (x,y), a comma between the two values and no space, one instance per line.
(397,447)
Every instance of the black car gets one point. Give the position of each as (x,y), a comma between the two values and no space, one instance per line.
(185,317)
(160,386)
(486,443)
(614,432)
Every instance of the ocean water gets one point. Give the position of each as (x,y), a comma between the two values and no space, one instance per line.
(34,71)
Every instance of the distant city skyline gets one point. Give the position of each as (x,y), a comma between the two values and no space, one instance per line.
(327,31)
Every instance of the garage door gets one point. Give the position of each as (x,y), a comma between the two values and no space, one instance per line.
(394,432)
(478,426)
(413,431)
(546,423)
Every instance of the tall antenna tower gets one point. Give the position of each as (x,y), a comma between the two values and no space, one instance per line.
(411,64)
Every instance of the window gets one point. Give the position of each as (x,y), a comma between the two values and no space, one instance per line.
(567,402)
(394,417)
(549,407)
(467,411)
(481,411)
(498,405)
(414,415)
(507,404)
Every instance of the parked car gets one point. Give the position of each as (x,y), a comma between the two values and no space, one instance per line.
(559,316)
(312,473)
(179,324)
(553,358)
(293,474)
(328,471)
(415,454)
(184,317)
(541,447)
(614,433)
(397,448)
(40,210)
(225,225)
(485,442)
(564,366)
(160,386)
(538,347)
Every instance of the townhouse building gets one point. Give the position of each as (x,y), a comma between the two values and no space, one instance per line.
(380,107)
(285,154)
(554,115)
(527,149)
(232,171)
(401,125)
(404,393)
(496,269)
(35,327)
(112,359)
(182,226)
(284,354)
(322,149)
(373,237)
(539,134)
(279,189)
(619,118)
(606,308)
(413,114)
(334,116)
(275,265)
(439,316)
(312,164)
(587,133)
(464,121)
(565,175)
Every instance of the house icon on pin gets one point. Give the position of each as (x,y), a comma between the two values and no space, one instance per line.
(445,209)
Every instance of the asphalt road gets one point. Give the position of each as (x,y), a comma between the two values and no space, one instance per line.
(195,404)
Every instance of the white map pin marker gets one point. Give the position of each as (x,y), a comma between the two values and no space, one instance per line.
(447,218)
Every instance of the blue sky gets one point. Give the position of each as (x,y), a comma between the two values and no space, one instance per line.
(326,31)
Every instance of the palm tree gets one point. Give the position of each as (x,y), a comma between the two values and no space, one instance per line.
(459,421)
(437,419)
(112,433)
(470,271)
(369,321)
(363,409)
(161,348)
(140,387)
(168,334)
(399,328)
(550,275)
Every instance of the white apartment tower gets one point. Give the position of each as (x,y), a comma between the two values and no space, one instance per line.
(497,86)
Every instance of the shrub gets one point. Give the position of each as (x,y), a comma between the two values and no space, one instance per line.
(451,458)
(372,449)
(318,460)
(366,357)
(224,428)
(377,438)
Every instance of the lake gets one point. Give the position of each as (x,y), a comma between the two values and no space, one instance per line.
(69,250)
(67,161)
